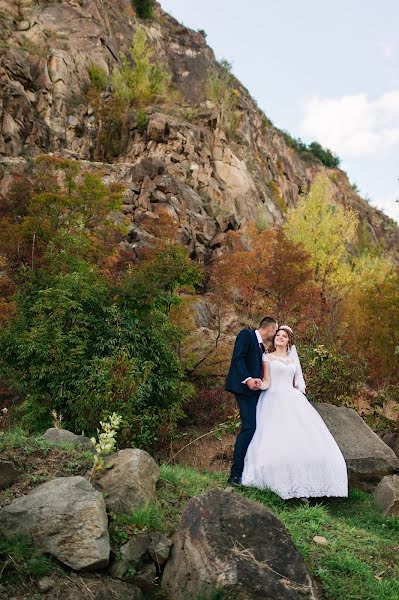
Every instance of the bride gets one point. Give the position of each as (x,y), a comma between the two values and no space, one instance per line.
(292,452)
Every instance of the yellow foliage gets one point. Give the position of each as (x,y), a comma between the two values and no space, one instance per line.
(326,230)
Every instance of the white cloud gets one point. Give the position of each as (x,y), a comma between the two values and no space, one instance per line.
(353,126)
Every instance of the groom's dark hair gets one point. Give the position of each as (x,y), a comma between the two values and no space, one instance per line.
(267,321)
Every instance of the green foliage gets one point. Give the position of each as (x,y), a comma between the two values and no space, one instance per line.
(142,120)
(326,157)
(313,150)
(20,560)
(56,208)
(326,230)
(85,347)
(143,8)
(98,77)
(139,80)
(148,517)
(330,376)
(222,92)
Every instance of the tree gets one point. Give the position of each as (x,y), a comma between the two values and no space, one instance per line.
(326,230)
(139,80)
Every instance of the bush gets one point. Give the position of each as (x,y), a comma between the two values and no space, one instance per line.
(85,347)
(209,407)
(315,150)
(139,79)
(143,8)
(98,77)
(330,376)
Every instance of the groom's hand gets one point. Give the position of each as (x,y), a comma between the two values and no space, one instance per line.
(254,384)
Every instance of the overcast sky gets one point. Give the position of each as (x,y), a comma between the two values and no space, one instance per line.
(323,71)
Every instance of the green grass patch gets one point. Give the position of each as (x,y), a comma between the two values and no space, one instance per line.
(20,561)
(360,559)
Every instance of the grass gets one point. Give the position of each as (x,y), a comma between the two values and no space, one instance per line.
(358,562)
(39,460)
(360,559)
(20,561)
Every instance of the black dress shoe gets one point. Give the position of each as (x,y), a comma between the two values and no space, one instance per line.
(234,481)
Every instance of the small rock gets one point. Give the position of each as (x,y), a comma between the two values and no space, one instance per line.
(45,584)
(8,474)
(159,547)
(158,196)
(320,539)
(147,578)
(386,496)
(63,435)
(158,128)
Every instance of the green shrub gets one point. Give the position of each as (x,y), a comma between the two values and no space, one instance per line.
(314,150)
(20,560)
(330,376)
(98,77)
(142,120)
(143,8)
(221,91)
(139,80)
(85,347)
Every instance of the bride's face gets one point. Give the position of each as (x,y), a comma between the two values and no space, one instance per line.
(281,339)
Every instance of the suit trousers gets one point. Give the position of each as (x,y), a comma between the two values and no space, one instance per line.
(247,407)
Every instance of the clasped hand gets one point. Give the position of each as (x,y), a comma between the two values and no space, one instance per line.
(258,384)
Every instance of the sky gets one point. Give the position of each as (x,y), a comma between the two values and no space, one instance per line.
(325,71)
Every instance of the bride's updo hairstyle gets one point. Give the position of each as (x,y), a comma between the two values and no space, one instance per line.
(291,338)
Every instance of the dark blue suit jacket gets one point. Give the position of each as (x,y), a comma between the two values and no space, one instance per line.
(246,362)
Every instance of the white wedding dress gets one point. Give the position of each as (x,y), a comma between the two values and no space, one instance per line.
(292,452)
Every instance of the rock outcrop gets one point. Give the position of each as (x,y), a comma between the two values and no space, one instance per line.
(367,457)
(227,543)
(66,518)
(211,181)
(59,436)
(386,496)
(129,480)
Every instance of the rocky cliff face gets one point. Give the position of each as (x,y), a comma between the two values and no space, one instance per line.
(181,163)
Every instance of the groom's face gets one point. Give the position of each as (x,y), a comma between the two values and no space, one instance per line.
(268,332)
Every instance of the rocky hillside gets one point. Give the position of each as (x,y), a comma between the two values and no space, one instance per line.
(182,160)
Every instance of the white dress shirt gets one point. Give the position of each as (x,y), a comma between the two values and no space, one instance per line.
(260,341)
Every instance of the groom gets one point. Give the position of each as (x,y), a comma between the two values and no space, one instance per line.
(243,380)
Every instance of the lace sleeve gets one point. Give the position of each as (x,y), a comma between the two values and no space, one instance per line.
(265,357)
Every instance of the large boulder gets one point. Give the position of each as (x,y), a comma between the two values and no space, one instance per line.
(386,496)
(225,542)
(66,518)
(367,457)
(129,480)
(391,439)
(8,474)
(59,436)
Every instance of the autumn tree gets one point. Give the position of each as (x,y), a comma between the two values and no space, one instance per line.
(326,230)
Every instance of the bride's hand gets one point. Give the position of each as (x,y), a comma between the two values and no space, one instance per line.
(264,385)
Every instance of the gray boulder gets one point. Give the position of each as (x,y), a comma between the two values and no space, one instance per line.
(227,543)
(129,480)
(386,496)
(8,473)
(66,518)
(391,439)
(367,457)
(63,435)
